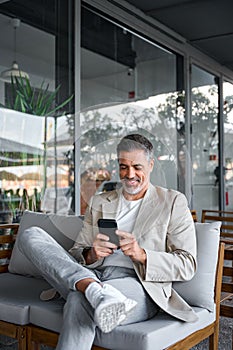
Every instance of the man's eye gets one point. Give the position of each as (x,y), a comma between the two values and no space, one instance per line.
(122,167)
(138,167)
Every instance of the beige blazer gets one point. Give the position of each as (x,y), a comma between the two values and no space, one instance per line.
(164,228)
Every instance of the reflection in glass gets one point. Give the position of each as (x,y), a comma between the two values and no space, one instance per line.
(128,85)
(205,140)
(228,144)
(36,153)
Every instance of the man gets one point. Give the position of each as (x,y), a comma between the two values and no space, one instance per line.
(105,286)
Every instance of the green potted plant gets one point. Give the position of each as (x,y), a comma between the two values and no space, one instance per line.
(27,99)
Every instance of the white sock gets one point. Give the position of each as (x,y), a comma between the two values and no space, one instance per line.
(93,293)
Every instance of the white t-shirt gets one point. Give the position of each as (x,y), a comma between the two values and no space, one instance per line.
(126,216)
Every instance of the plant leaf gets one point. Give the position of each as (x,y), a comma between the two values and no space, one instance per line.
(26,98)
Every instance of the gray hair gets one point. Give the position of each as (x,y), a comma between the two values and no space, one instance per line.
(134,142)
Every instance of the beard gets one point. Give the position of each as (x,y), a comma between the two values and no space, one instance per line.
(132,188)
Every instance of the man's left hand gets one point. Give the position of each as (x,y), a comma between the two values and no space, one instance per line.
(130,247)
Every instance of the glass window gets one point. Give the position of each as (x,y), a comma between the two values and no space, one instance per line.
(228,144)
(205,140)
(36,79)
(128,85)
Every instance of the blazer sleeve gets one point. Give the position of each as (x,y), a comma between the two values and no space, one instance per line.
(85,237)
(178,262)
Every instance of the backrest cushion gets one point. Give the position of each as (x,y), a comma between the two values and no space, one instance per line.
(64,229)
(199,291)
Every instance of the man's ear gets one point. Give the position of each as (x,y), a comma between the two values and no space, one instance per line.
(152,162)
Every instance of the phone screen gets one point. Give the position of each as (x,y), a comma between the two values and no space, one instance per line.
(108,228)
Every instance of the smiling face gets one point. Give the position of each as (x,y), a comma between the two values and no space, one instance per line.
(134,170)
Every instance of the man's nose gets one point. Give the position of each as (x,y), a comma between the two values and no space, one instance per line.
(131,173)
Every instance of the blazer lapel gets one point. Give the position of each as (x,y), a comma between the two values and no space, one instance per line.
(147,212)
(110,206)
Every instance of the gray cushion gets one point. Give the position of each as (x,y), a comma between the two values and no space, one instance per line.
(49,315)
(162,330)
(157,333)
(64,229)
(199,291)
(16,294)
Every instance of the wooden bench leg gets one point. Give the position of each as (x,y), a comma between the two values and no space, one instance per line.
(213,342)
(31,345)
(34,346)
(22,337)
(214,338)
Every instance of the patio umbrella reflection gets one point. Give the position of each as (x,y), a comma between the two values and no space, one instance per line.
(6,175)
(31,176)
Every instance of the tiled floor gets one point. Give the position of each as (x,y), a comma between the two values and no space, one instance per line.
(225,336)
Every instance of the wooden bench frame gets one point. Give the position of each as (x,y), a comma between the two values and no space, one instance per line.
(30,337)
(226,217)
(226,236)
(194,214)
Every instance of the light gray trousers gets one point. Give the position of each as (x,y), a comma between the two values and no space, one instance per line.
(62,271)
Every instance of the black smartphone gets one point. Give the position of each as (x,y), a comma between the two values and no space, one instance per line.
(108,228)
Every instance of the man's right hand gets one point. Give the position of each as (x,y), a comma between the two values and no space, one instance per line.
(101,249)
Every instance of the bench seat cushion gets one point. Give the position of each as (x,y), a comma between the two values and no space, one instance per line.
(16,294)
(158,333)
(162,330)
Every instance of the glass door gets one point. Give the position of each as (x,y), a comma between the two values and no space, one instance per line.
(128,85)
(228,144)
(35,164)
(205,139)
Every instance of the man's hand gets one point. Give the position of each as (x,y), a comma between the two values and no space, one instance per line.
(102,247)
(130,247)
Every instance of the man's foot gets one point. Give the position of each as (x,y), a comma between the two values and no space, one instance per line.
(112,308)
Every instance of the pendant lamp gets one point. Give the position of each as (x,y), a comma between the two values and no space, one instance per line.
(14,71)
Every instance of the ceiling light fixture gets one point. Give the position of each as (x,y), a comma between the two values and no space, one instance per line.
(14,71)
